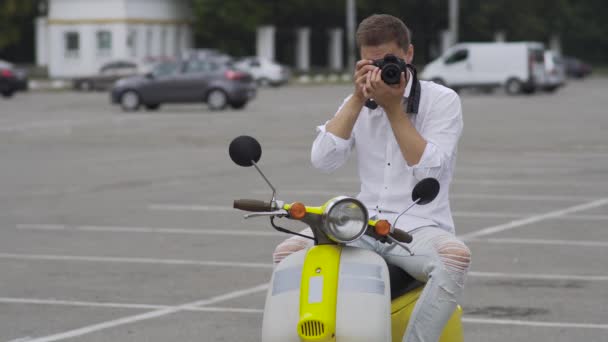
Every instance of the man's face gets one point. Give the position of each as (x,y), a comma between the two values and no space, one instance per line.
(379,51)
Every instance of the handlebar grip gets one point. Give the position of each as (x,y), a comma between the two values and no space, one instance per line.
(252,205)
(402,236)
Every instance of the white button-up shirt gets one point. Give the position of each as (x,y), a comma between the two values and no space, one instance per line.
(386,179)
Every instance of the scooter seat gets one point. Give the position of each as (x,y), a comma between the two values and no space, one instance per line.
(401,282)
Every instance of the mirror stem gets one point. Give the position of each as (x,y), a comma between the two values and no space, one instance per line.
(274,191)
(403,212)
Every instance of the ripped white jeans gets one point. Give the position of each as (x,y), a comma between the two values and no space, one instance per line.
(440,260)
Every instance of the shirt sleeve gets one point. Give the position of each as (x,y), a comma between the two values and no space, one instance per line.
(441,130)
(329,151)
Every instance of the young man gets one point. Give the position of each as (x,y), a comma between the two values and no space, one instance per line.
(410,135)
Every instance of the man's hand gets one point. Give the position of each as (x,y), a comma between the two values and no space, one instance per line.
(389,97)
(362,69)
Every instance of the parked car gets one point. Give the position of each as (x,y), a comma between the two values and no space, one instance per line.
(215,82)
(555,71)
(518,66)
(12,79)
(576,68)
(264,71)
(108,74)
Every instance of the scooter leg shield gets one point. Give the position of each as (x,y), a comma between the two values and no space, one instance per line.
(363,307)
(282,308)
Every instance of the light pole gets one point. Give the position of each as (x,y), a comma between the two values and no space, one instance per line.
(351,15)
(453,15)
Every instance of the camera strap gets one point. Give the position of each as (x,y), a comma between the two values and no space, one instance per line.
(413,100)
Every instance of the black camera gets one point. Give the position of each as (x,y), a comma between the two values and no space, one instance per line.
(392,67)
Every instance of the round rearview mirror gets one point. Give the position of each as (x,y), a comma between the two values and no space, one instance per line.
(425,191)
(245,150)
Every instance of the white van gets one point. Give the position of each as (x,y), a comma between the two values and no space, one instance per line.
(517,66)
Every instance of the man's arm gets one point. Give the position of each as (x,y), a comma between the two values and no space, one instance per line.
(331,150)
(334,143)
(411,143)
(342,124)
(429,150)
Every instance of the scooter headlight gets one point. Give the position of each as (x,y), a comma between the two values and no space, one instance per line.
(345,219)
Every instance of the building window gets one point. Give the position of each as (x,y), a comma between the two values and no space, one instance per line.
(177,41)
(132,42)
(72,44)
(149,39)
(104,43)
(163,42)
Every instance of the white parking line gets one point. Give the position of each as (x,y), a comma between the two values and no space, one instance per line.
(21,339)
(534,219)
(537,324)
(135,306)
(480,196)
(505,182)
(100,259)
(537,276)
(34,301)
(467,320)
(183,207)
(573,243)
(39,257)
(149,315)
(115,229)
(212,208)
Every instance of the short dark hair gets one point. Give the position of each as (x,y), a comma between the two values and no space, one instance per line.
(379,29)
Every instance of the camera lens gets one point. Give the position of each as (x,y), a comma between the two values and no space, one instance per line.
(391,74)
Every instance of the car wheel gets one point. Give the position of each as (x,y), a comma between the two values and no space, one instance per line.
(238,105)
(130,101)
(514,86)
(264,82)
(217,99)
(153,107)
(8,93)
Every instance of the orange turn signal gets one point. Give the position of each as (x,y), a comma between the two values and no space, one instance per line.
(382,228)
(297,211)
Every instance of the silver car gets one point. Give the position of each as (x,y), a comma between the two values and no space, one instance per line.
(215,82)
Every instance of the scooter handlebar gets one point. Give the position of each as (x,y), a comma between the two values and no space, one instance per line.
(252,205)
(402,236)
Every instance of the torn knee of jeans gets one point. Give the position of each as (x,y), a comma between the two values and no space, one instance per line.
(456,258)
(287,248)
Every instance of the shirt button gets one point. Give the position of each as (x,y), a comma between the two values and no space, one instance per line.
(389,164)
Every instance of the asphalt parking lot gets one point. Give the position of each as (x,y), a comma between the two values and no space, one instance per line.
(118,227)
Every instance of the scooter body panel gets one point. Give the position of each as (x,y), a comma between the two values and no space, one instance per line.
(401,311)
(364,304)
(361,310)
(282,308)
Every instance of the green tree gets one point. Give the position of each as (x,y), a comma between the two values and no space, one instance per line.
(13,14)
(230,24)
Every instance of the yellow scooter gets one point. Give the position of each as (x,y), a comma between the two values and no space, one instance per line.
(332,292)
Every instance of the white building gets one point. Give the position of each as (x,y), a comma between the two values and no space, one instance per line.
(79,36)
